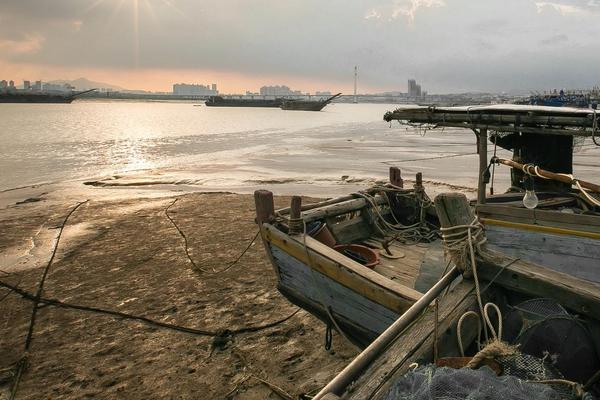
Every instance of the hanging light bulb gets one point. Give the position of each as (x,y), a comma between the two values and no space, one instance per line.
(530,200)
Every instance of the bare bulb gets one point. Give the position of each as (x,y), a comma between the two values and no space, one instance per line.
(530,200)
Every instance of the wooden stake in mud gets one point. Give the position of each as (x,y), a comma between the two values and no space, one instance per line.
(265,207)
(483,163)
(295,228)
(396,177)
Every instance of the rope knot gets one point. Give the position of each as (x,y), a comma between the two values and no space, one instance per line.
(461,242)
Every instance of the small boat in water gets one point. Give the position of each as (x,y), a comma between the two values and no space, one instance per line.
(39,97)
(219,101)
(434,290)
(307,105)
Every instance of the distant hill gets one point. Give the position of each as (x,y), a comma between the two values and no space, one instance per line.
(85,84)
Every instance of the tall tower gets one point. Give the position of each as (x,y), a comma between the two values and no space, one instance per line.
(355,79)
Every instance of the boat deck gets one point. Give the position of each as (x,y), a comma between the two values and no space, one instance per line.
(415,265)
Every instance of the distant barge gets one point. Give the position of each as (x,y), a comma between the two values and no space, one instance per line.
(21,97)
(218,101)
(307,105)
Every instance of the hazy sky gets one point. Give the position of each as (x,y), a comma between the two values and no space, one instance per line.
(448,45)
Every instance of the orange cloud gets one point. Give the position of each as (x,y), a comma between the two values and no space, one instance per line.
(29,44)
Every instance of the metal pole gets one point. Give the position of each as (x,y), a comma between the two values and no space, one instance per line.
(355,79)
(352,370)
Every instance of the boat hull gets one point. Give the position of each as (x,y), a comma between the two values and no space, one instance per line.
(360,319)
(303,105)
(221,102)
(34,98)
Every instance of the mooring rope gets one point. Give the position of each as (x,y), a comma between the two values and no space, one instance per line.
(36,301)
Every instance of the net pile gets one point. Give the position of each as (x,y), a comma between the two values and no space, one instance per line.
(443,383)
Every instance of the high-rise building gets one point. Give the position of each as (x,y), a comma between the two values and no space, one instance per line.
(278,91)
(414,89)
(37,86)
(26,85)
(3,84)
(186,89)
(11,84)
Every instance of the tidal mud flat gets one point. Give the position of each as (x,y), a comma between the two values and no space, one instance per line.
(128,256)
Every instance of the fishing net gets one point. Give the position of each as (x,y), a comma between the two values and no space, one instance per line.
(544,329)
(555,350)
(443,383)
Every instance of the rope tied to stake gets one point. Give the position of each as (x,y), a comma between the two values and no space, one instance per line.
(460,243)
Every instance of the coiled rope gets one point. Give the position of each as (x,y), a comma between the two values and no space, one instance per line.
(462,242)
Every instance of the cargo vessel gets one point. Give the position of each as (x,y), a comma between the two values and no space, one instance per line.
(39,97)
(219,101)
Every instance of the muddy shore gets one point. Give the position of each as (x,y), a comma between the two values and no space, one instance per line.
(125,255)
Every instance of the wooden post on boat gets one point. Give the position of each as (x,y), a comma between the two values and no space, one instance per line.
(483,163)
(265,207)
(453,209)
(295,214)
(265,213)
(419,180)
(396,177)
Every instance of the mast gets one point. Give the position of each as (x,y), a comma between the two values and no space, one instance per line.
(355,79)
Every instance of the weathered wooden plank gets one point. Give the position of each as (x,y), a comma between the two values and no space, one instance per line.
(350,230)
(431,268)
(352,275)
(318,288)
(572,255)
(336,209)
(535,216)
(579,295)
(571,231)
(360,269)
(414,343)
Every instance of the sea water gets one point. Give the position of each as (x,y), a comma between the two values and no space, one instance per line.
(129,143)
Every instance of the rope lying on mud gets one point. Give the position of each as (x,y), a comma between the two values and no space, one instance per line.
(36,301)
(186,246)
(57,303)
(39,301)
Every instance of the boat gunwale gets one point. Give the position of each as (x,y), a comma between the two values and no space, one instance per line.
(353,275)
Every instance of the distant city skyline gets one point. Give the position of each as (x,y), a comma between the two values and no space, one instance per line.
(446,45)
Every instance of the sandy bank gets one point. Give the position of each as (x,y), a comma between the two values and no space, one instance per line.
(125,255)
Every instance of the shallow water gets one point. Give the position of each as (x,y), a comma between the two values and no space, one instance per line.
(122,143)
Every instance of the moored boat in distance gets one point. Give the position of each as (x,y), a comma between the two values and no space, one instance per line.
(307,105)
(220,101)
(40,97)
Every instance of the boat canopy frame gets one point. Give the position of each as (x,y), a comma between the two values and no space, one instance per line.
(506,118)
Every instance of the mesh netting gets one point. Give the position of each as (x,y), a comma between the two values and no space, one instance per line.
(443,383)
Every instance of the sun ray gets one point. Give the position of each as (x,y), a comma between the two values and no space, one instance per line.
(136,32)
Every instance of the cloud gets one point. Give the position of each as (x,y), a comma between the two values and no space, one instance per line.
(29,44)
(373,14)
(570,7)
(554,39)
(404,8)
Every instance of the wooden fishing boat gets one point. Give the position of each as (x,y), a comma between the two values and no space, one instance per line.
(358,300)
(512,252)
(307,105)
